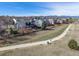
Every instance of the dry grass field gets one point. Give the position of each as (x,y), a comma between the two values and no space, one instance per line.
(33,37)
(56,48)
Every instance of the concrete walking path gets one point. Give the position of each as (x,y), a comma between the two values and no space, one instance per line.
(36,43)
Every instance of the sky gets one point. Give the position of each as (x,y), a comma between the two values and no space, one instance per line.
(39,8)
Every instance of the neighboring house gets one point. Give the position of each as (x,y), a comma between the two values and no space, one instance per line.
(38,22)
(19,23)
(3,28)
(51,21)
(58,21)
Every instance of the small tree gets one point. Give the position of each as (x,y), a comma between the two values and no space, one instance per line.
(72,44)
(13,31)
(44,25)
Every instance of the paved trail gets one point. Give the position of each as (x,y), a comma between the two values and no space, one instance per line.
(58,48)
(35,43)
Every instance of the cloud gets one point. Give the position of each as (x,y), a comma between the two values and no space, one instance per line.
(64,9)
(43,8)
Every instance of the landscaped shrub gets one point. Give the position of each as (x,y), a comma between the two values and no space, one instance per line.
(73,44)
(13,31)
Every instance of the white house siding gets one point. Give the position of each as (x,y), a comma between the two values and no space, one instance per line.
(51,21)
(19,23)
(39,23)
